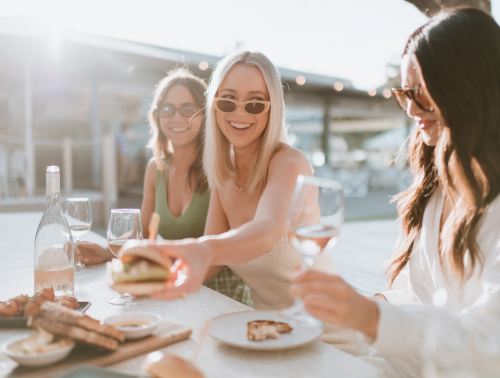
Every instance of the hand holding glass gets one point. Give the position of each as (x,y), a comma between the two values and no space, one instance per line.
(78,214)
(315,216)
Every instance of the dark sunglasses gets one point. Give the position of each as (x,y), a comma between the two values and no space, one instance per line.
(169,110)
(402,96)
(227,105)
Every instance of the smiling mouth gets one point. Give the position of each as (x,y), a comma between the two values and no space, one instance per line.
(424,125)
(240,125)
(179,129)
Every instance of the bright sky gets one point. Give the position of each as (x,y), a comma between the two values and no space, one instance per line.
(351,39)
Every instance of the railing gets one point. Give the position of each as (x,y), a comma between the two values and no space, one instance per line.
(13,168)
(66,145)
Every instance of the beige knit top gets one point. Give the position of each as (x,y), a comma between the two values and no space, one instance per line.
(269,278)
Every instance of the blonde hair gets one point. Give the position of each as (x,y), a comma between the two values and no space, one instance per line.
(159,143)
(217,159)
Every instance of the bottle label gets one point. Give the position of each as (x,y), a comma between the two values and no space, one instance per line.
(53,183)
(46,278)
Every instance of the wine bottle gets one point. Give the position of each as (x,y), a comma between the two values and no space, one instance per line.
(54,254)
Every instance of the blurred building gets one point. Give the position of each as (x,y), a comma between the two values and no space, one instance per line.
(78,100)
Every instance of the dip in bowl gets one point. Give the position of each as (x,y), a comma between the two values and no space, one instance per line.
(40,349)
(135,325)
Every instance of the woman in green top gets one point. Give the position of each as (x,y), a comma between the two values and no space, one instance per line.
(175,185)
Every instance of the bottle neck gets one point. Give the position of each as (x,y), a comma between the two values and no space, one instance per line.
(53,183)
(53,199)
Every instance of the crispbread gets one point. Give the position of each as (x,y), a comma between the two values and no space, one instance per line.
(50,310)
(260,330)
(74,332)
(283,327)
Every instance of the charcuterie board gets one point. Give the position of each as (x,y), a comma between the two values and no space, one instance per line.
(166,334)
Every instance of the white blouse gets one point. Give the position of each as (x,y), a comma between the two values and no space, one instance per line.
(440,325)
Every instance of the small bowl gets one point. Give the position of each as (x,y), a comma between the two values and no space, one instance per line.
(37,359)
(135,332)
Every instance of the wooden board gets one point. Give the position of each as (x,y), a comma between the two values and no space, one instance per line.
(166,334)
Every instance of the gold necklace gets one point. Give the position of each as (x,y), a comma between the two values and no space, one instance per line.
(237,187)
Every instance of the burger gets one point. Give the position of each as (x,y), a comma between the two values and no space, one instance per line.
(140,270)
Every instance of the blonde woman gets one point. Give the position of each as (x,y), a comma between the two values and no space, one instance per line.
(175,185)
(252,173)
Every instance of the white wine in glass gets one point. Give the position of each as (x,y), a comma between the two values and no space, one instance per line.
(315,217)
(78,214)
(115,246)
(124,225)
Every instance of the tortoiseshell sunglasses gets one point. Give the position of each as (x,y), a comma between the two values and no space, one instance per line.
(402,95)
(253,107)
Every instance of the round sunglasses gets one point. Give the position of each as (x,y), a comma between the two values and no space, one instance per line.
(168,110)
(254,107)
(402,96)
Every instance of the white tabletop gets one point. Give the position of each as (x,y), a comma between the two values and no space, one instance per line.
(17,234)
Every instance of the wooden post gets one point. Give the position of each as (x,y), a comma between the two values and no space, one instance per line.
(28,117)
(109,176)
(96,132)
(325,136)
(67,171)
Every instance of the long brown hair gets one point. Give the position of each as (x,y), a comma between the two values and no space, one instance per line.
(459,56)
(159,143)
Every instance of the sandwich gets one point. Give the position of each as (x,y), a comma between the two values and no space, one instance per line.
(140,270)
(62,321)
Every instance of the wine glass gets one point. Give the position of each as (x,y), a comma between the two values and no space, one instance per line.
(314,219)
(124,225)
(79,217)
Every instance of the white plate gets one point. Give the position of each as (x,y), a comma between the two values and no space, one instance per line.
(232,329)
(132,333)
(37,359)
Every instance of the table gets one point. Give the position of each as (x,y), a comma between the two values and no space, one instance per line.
(17,234)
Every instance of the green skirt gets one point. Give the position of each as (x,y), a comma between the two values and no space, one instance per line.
(231,285)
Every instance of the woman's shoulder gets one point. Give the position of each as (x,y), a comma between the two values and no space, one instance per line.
(287,157)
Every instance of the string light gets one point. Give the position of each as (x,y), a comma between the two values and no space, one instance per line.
(338,86)
(301,80)
(203,65)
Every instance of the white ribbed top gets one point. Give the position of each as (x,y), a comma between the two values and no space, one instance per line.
(434,321)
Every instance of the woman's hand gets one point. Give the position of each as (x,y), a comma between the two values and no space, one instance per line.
(189,270)
(329,297)
(91,253)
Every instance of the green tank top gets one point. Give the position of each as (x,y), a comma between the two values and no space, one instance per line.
(191,224)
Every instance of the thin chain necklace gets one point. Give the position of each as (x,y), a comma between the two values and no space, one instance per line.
(237,187)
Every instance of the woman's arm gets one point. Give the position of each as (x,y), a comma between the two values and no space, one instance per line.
(413,338)
(217,224)
(253,239)
(148,199)
(261,235)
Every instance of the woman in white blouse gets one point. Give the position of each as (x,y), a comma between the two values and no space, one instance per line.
(445,277)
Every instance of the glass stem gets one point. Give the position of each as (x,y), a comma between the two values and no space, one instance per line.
(77,240)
